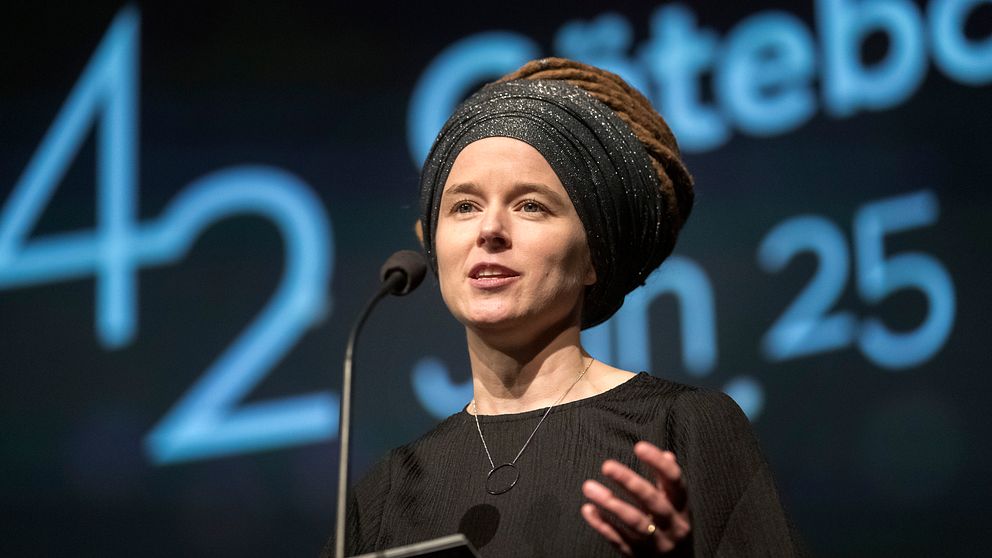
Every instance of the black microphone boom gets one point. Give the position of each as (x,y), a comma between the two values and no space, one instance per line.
(402,273)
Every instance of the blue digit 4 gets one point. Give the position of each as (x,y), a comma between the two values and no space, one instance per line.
(107,90)
(207,421)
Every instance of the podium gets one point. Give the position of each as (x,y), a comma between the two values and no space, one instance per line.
(451,546)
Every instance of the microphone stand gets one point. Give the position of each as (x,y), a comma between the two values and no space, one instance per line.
(393,282)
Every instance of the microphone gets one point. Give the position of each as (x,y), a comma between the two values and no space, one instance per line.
(402,273)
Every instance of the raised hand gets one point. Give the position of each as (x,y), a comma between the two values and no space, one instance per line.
(656,519)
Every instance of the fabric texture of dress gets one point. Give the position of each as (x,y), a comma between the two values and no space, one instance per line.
(436,485)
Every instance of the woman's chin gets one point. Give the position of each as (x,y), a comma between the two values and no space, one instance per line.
(491,322)
(492,317)
(520,323)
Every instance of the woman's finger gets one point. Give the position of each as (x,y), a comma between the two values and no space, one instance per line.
(667,471)
(629,516)
(592,516)
(651,498)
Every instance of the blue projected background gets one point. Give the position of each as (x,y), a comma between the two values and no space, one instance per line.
(195,200)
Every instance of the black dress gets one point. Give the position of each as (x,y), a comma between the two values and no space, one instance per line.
(436,485)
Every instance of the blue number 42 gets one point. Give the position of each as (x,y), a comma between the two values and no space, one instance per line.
(207,420)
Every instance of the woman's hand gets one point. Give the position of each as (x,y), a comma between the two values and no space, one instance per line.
(658,519)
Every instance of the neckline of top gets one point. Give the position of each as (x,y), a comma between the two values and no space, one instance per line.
(525,415)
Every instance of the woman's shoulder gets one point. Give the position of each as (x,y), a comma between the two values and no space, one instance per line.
(688,399)
(444,433)
(684,408)
(654,389)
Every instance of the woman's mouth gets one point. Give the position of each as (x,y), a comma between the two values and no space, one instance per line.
(491,276)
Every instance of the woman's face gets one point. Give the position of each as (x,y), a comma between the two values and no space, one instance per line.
(511,251)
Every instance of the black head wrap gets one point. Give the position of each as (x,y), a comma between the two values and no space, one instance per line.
(601,163)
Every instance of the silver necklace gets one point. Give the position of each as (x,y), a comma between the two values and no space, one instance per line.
(501,479)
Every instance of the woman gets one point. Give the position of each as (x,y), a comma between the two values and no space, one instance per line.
(546,198)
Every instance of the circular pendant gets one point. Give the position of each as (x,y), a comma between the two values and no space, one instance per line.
(502,478)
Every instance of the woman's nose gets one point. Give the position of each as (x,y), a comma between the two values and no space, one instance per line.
(493,233)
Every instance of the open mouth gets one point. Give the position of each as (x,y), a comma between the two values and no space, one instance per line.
(487,275)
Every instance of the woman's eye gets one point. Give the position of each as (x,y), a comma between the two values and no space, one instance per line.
(531,207)
(463,207)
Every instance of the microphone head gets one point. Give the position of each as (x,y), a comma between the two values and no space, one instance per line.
(411,267)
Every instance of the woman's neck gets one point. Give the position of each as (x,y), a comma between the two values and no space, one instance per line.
(519,377)
(515,379)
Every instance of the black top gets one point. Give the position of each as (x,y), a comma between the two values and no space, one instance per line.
(436,485)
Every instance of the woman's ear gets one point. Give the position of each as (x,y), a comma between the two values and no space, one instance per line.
(590,273)
(418,230)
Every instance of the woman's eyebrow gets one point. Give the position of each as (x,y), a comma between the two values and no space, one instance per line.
(518,189)
(538,188)
(462,188)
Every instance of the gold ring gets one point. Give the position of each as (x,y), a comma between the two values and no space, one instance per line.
(651,529)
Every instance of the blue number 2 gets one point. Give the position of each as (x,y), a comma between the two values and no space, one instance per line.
(207,421)
(806,327)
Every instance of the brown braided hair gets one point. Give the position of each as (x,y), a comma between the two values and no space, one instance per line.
(636,111)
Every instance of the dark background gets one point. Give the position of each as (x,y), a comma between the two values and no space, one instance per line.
(870,461)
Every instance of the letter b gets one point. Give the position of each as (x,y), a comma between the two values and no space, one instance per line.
(848,85)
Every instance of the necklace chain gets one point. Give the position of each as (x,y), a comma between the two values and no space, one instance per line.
(475,412)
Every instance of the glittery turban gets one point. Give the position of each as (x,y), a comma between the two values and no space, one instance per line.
(619,164)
